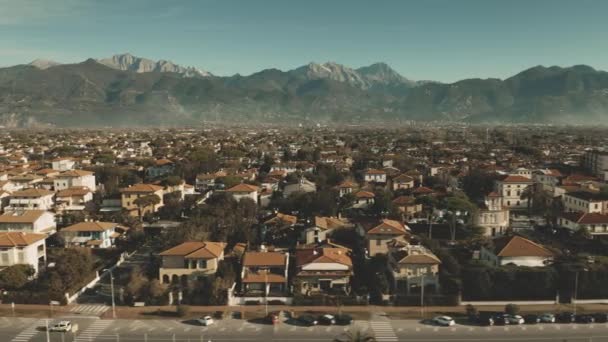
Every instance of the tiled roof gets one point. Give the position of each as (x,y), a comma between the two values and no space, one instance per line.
(243,188)
(90,227)
(19,239)
(32,193)
(324,222)
(389,227)
(263,278)
(516,179)
(323,255)
(24,216)
(75,173)
(426,259)
(517,246)
(264,259)
(141,188)
(586,218)
(196,250)
(364,194)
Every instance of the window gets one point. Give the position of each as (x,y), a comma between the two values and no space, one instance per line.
(20,258)
(5,258)
(202,264)
(378,242)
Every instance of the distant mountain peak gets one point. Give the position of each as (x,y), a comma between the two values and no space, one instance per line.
(127,61)
(43,63)
(382,73)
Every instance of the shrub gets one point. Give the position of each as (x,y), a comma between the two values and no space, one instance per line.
(512,309)
(471,311)
(182,310)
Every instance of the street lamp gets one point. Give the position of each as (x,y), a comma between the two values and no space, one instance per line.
(576,286)
(112,290)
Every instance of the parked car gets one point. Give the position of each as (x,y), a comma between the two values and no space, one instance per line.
(307,320)
(564,317)
(327,319)
(500,319)
(63,326)
(343,319)
(205,321)
(531,319)
(514,319)
(600,317)
(547,318)
(585,319)
(485,319)
(272,318)
(444,321)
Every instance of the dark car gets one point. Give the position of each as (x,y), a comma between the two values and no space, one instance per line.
(564,317)
(600,317)
(531,319)
(327,319)
(487,320)
(307,320)
(343,319)
(585,319)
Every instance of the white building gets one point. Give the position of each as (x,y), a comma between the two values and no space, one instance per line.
(29,221)
(74,178)
(31,199)
(586,202)
(244,191)
(63,164)
(18,248)
(595,223)
(511,188)
(92,234)
(516,250)
(375,176)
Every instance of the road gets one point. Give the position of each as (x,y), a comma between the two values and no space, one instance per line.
(153,330)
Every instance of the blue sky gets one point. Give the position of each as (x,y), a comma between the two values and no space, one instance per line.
(444,40)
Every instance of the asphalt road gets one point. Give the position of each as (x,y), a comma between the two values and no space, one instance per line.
(96,330)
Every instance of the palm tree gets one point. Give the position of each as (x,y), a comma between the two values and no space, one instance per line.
(356,336)
(528,194)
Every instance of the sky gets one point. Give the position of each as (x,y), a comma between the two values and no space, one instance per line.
(441,40)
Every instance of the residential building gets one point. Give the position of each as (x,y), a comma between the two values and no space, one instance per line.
(323,226)
(585,201)
(596,162)
(29,221)
(20,248)
(161,167)
(93,234)
(31,199)
(243,190)
(407,206)
(346,187)
(74,178)
(63,164)
(133,192)
(403,182)
(516,250)
(189,259)
(413,266)
(303,186)
(265,273)
(492,216)
(363,199)
(323,270)
(379,236)
(375,176)
(511,188)
(73,199)
(594,223)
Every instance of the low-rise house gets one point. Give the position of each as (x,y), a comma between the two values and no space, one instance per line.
(73,199)
(323,226)
(413,266)
(160,168)
(243,190)
(19,248)
(346,187)
(74,178)
(375,176)
(29,221)
(130,195)
(63,164)
(364,199)
(403,182)
(265,273)
(407,206)
(303,185)
(189,259)
(26,181)
(92,234)
(323,270)
(594,223)
(493,217)
(516,250)
(31,199)
(378,237)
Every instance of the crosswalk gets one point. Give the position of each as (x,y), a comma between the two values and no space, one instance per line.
(90,309)
(30,332)
(383,330)
(93,331)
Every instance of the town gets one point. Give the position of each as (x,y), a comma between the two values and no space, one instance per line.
(269,223)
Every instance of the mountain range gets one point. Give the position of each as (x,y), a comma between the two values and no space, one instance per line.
(125,90)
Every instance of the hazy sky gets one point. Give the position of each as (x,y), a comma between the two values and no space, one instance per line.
(427,39)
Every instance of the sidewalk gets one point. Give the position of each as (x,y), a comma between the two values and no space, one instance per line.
(256,311)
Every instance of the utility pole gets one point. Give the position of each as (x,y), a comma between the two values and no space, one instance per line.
(48,337)
(112,290)
(266,291)
(422,296)
(575,289)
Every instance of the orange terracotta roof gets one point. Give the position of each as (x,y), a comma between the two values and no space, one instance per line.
(364,194)
(141,188)
(517,246)
(425,259)
(389,227)
(19,239)
(243,188)
(90,227)
(323,255)
(196,250)
(75,173)
(32,193)
(25,216)
(263,278)
(516,179)
(264,259)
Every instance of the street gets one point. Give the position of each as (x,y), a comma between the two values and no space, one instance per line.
(92,329)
